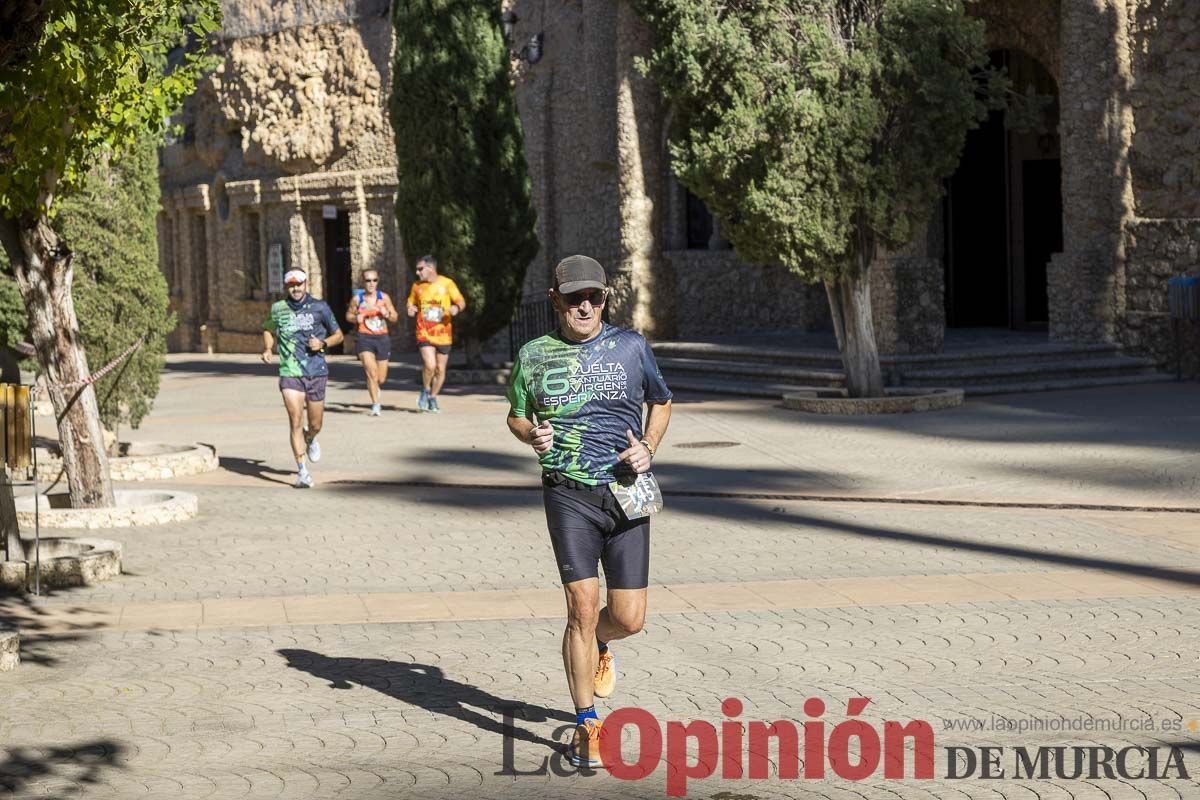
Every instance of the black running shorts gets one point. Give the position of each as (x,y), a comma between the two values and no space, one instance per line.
(377,344)
(587,527)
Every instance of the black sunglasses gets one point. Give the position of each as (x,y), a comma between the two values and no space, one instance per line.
(596,297)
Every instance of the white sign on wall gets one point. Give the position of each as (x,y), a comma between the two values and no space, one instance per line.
(275,268)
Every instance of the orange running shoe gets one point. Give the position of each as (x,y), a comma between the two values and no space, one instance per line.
(606,675)
(584,750)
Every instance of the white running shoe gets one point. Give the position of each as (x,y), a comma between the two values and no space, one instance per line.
(375,409)
(303,480)
(314,451)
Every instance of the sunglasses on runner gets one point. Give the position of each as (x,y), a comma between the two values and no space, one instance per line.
(596,297)
(370,280)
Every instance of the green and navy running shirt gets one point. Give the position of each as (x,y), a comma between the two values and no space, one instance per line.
(592,392)
(293,323)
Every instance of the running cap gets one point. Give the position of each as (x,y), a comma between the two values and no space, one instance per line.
(294,276)
(579,272)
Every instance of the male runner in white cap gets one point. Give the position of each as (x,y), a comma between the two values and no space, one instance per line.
(305,326)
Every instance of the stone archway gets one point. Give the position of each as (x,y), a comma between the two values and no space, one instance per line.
(1003,211)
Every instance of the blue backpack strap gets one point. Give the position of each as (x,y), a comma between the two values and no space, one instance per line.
(378,295)
(358,295)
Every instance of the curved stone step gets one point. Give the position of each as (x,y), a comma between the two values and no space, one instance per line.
(1066,384)
(825,359)
(1006,373)
(746,388)
(672,367)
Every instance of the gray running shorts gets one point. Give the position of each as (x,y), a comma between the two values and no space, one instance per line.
(313,387)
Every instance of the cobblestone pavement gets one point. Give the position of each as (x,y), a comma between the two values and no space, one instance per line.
(958,615)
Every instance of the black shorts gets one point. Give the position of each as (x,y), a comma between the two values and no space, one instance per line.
(444,349)
(588,527)
(313,387)
(377,344)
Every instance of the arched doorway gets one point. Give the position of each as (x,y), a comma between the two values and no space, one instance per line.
(1003,212)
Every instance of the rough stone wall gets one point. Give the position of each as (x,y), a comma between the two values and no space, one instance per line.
(710,302)
(288,102)
(1165,154)
(1163,241)
(302,92)
(1159,250)
(1029,25)
(907,304)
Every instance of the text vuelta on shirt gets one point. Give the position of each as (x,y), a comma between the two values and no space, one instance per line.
(299,322)
(584,382)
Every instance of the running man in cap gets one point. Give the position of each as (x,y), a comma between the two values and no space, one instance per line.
(576,397)
(304,326)
(371,310)
(437,299)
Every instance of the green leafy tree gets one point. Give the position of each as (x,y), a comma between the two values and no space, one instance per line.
(120,292)
(464,191)
(821,130)
(93,86)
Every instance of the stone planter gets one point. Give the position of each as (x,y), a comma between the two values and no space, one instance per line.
(134,507)
(10,650)
(64,562)
(142,461)
(899,400)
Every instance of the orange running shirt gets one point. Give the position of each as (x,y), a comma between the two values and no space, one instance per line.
(433,300)
(374,323)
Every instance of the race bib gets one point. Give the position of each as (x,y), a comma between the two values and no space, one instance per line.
(374,324)
(638,497)
(433,313)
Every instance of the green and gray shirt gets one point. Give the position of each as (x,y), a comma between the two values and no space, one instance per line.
(293,323)
(592,392)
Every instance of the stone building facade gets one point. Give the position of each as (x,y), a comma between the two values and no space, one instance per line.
(1074,229)
(286,161)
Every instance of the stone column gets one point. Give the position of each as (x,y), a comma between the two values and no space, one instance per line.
(646,303)
(1086,282)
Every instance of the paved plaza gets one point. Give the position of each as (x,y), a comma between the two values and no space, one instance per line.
(1020,572)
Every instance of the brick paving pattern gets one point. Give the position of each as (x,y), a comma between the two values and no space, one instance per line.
(944,614)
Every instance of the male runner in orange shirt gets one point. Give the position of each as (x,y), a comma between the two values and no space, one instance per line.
(434,300)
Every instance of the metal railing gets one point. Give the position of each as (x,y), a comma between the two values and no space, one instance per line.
(531,320)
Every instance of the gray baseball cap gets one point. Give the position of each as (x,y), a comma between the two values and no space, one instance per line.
(579,272)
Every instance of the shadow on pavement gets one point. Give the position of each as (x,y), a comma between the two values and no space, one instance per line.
(82,765)
(255,468)
(427,687)
(749,511)
(692,477)
(1158,415)
(365,408)
(22,612)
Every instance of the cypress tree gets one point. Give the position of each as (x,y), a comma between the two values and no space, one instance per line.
(821,130)
(464,192)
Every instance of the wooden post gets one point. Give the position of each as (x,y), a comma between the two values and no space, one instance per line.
(15,443)
(10,533)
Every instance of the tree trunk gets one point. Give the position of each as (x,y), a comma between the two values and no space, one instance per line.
(850,304)
(42,264)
